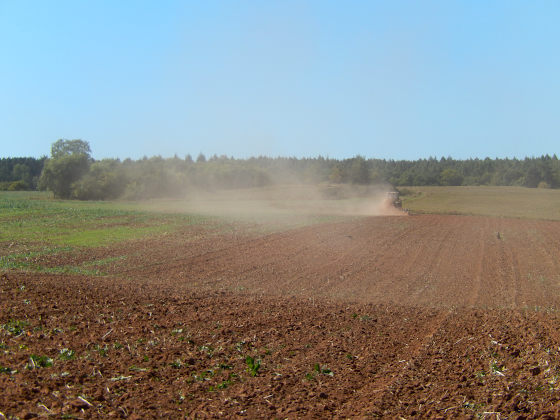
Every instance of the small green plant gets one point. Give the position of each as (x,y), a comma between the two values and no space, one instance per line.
(253,365)
(221,385)
(15,327)
(177,364)
(209,350)
(181,398)
(66,354)
(321,370)
(39,361)
(224,384)
(496,368)
(471,405)
(7,370)
(328,372)
(204,375)
(177,331)
(103,351)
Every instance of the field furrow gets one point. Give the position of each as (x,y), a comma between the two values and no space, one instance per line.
(441,316)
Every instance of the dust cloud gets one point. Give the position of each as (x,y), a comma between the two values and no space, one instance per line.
(285,204)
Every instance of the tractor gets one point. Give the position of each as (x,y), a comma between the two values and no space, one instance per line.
(394,200)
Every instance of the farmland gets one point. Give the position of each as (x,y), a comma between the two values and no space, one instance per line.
(300,309)
(526,203)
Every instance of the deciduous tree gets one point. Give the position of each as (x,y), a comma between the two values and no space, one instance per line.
(70,160)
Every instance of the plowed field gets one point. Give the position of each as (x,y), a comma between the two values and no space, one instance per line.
(411,317)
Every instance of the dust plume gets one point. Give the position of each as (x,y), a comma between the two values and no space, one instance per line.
(291,204)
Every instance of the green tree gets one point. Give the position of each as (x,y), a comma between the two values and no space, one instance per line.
(70,160)
(18,186)
(359,172)
(532,177)
(451,177)
(336,175)
(21,172)
(105,180)
(65,147)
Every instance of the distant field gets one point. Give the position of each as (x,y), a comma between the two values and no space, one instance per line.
(33,217)
(529,203)
(37,217)
(41,234)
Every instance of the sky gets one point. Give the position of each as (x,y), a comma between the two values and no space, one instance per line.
(382,79)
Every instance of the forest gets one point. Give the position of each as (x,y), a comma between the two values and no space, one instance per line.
(71,172)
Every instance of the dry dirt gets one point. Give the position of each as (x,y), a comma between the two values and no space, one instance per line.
(400,317)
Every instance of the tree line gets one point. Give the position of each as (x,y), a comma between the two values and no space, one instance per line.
(20,173)
(71,172)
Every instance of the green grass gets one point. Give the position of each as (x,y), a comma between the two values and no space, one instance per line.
(31,261)
(36,228)
(33,217)
(37,220)
(530,203)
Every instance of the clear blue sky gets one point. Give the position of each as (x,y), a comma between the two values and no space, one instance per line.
(388,79)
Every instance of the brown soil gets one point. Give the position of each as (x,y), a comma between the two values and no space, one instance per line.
(423,316)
